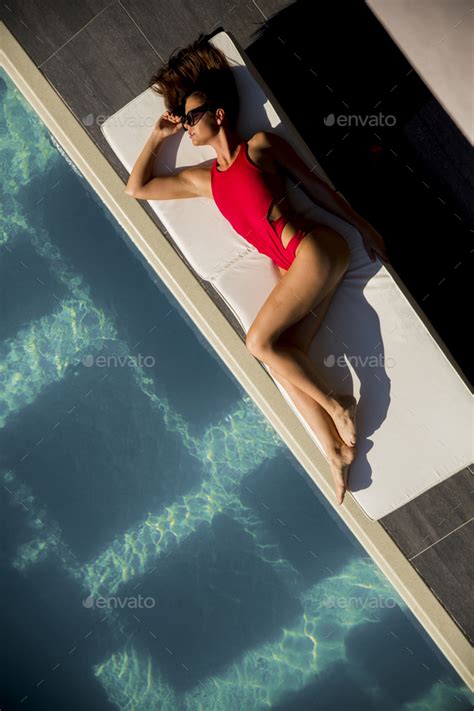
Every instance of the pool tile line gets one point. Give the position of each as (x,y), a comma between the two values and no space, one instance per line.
(440,539)
(78,32)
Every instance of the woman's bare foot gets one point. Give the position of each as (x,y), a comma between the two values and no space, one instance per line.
(344,418)
(340,458)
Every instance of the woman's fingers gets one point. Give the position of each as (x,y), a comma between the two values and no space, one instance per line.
(171,122)
(170,114)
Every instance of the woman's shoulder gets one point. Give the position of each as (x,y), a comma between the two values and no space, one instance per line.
(260,139)
(260,150)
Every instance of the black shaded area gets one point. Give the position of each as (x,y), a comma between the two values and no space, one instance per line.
(215,599)
(413,180)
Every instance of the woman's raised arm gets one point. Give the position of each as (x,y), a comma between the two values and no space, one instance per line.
(142,186)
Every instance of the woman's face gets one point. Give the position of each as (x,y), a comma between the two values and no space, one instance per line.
(206,126)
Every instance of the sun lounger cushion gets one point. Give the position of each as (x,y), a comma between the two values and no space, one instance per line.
(414,414)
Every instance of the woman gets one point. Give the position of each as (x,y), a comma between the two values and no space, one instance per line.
(246,182)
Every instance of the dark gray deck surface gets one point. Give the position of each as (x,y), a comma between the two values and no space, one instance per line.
(413,180)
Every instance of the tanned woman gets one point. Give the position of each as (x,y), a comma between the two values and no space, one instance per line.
(246,181)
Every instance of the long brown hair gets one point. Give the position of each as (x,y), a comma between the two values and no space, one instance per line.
(198,69)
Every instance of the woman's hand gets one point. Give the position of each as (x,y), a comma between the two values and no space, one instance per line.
(168,124)
(373,242)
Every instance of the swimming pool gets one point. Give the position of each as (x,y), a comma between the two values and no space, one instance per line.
(163,548)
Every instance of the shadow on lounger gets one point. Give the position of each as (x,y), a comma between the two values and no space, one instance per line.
(348,349)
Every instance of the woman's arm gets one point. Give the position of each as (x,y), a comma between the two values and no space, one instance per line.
(315,187)
(319,191)
(140,183)
(141,171)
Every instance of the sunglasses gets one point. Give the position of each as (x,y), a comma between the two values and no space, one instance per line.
(193,116)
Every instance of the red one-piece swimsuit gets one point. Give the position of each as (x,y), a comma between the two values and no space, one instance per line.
(243,196)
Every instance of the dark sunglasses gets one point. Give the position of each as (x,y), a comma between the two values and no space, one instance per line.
(193,116)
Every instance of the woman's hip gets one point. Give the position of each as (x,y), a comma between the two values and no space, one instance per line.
(320,240)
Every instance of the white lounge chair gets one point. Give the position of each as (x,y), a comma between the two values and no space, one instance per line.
(414,415)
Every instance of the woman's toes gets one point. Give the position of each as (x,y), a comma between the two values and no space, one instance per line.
(341,458)
(340,491)
(344,419)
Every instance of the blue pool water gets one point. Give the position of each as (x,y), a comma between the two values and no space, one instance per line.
(163,550)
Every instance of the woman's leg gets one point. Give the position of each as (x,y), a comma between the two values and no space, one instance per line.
(339,455)
(319,265)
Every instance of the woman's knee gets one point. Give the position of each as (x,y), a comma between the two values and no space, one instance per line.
(254,343)
(259,345)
